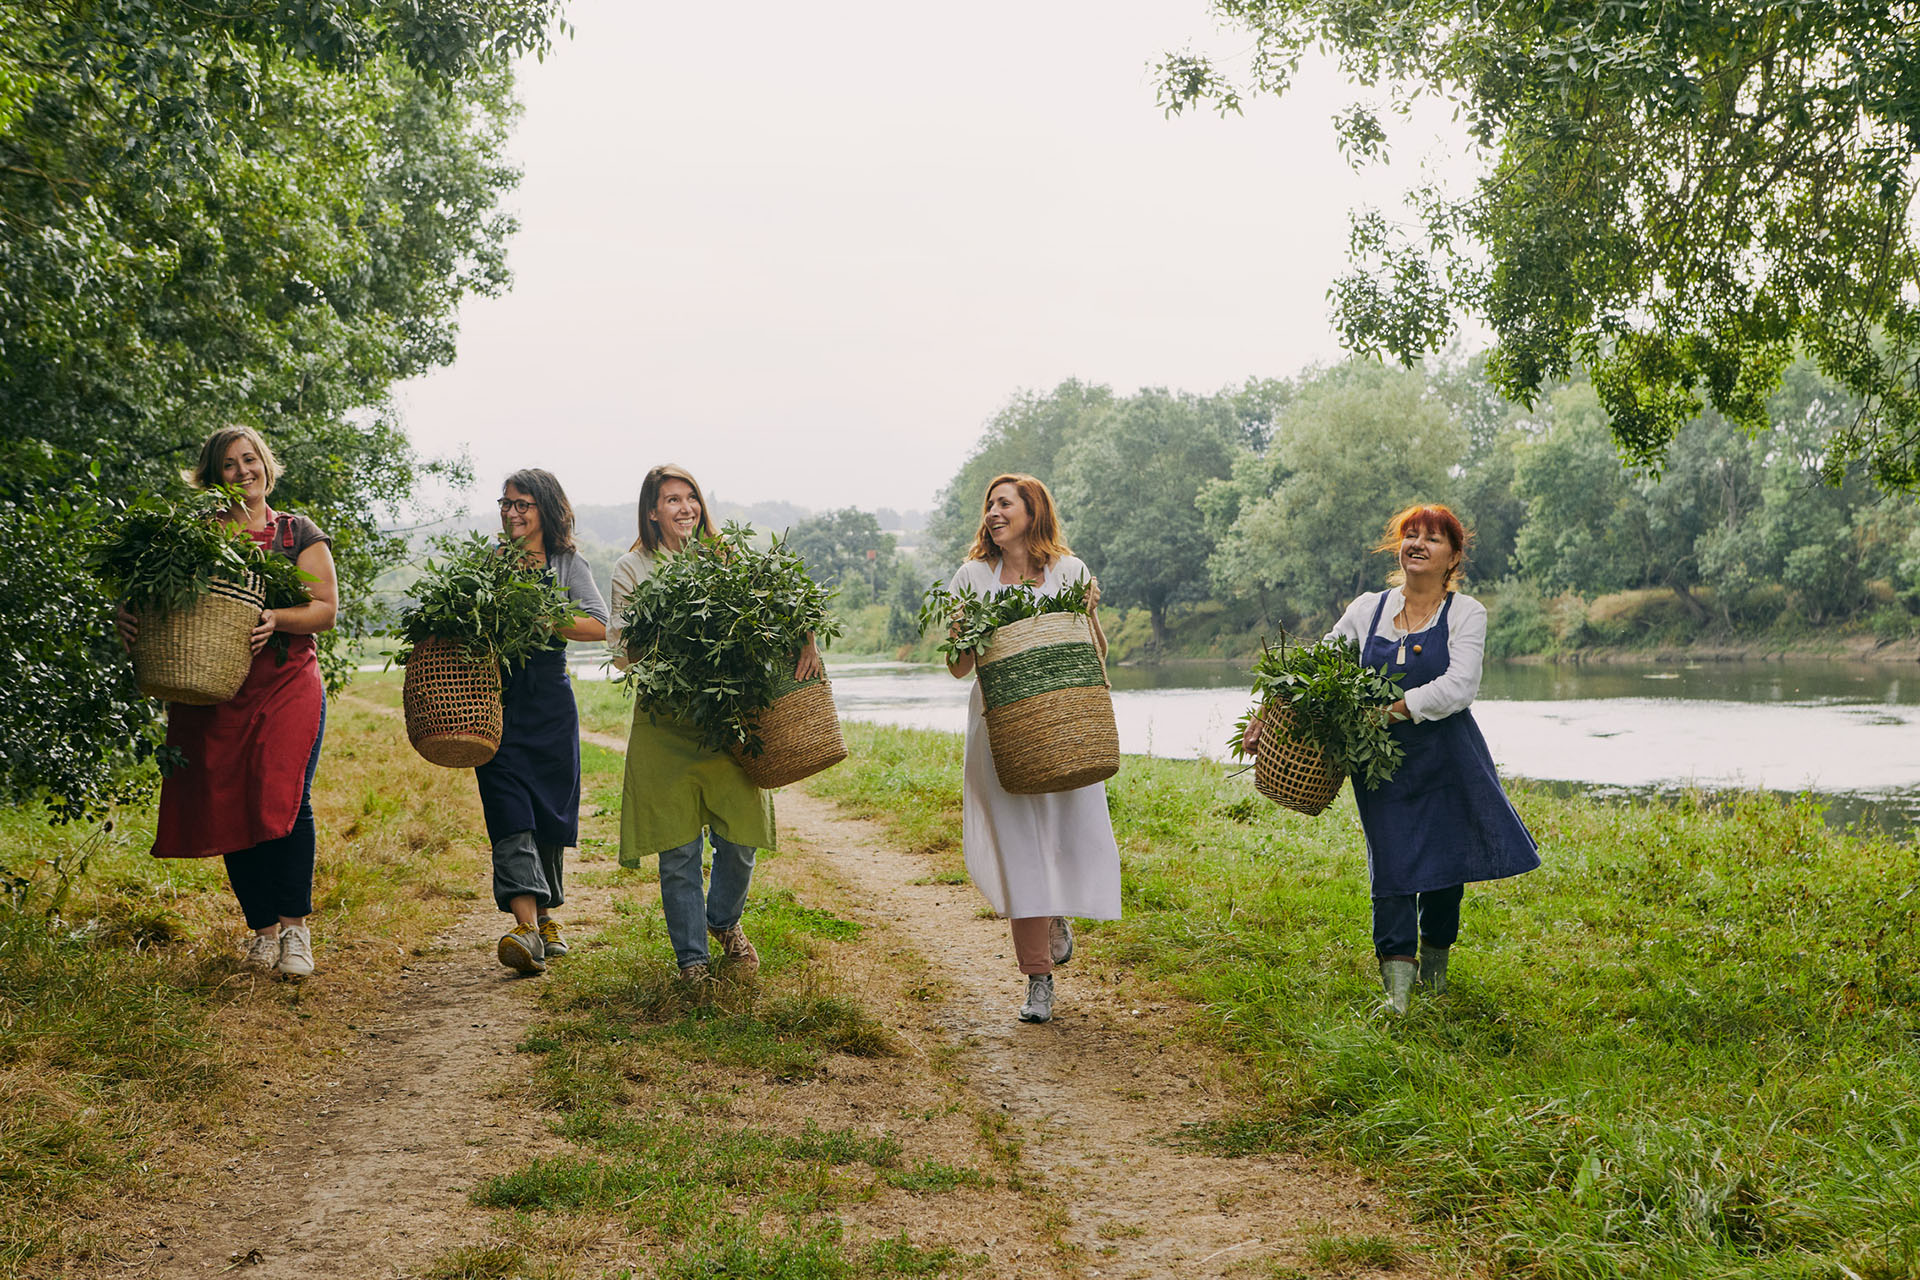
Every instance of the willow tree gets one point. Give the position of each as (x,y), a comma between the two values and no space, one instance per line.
(1679,195)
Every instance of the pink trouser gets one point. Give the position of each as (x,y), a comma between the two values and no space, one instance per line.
(1030,945)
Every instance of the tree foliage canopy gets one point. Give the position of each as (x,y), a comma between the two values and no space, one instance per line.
(235,210)
(1680,196)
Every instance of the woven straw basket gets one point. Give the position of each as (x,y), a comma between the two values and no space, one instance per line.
(1049,713)
(1291,770)
(200,654)
(799,736)
(453,705)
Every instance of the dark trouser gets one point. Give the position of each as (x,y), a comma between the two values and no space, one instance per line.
(1400,921)
(274,879)
(522,865)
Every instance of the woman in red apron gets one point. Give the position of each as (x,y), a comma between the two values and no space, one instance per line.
(245,792)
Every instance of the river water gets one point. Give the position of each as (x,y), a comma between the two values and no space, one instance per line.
(1847,731)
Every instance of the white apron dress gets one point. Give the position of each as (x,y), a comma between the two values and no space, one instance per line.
(1048,855)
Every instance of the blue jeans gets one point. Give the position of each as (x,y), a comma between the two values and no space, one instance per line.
(690,914)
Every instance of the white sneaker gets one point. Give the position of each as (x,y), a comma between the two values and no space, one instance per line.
(296,951)
(1039,1005)
(1060,939)
(263,953)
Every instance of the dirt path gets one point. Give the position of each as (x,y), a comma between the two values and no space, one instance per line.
(371,1179)
(1100,1091)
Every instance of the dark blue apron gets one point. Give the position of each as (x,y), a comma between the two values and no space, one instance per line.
(533,781)
(1442,819)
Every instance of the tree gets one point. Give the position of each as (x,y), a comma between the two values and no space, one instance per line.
(1025,437)
(237,211)
(1357,443)
(1677,197)
(1127,488)
(846,550)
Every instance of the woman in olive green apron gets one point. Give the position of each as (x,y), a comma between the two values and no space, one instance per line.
(676,791)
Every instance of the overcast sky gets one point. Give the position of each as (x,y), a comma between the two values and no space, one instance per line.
(808,250)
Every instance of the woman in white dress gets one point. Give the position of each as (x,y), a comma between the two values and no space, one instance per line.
(1036,859)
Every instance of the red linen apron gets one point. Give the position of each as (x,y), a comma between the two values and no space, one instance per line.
(246,758)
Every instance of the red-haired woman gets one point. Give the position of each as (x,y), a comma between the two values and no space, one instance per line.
(1442,821)
(1036,859)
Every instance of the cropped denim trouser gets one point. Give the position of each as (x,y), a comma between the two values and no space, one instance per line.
(690,914)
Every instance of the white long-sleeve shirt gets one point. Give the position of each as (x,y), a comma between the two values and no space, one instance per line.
(1454,690)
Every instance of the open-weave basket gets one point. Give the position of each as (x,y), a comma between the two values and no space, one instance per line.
(799,735)
(1291,769)
(453,705)
(200,654)
(1049,712)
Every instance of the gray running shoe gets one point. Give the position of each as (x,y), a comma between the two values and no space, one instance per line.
(551,943)
(1060,939)
(263,953)
(296,951)
(1433,968)
(1039,1005)
(1397,977)
(522,951)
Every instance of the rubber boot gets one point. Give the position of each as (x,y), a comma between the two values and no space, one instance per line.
(1433,968)
(1397,977)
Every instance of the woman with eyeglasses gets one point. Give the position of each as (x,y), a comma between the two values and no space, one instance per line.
(530,790)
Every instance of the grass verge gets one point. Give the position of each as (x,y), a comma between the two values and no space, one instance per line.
(1684,1047)
(134,1048)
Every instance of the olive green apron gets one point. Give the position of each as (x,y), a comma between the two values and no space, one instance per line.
(674,787)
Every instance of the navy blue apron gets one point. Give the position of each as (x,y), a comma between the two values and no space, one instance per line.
(1442,819)
(533,781)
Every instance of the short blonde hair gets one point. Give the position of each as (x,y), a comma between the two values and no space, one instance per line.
(206,473)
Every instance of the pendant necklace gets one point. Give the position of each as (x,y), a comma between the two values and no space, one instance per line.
(1400,658)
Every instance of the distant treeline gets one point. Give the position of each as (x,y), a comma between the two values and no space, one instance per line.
(1261,502)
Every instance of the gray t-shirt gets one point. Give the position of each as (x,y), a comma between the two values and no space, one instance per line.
(574,575)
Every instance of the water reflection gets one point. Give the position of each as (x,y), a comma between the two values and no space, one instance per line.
(1848,731)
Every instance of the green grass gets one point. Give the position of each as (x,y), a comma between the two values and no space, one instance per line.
(1685,1047)
(623,1045)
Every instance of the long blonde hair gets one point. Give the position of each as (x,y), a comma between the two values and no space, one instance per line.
(649,540)
(213,454)
(1045,544)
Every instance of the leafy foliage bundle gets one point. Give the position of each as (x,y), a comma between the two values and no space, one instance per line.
(485,597)
(161,556)
(978,617)
(1337,702)
(715,632)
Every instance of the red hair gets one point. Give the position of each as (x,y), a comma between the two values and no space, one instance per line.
(1044,542)
(1422,518)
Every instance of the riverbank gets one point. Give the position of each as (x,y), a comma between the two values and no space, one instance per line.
(1683,1047)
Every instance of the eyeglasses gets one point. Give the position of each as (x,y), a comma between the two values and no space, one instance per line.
(520,505)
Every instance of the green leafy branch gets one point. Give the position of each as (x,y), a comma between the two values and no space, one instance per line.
(714,633)
(1338,704)
(160,555)
(971,619)
(486,596)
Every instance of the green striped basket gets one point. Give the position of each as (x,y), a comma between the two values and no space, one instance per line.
(799,735)
(1049,713)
